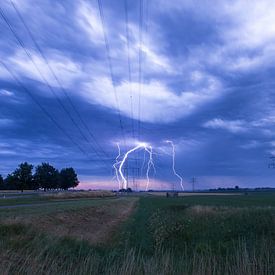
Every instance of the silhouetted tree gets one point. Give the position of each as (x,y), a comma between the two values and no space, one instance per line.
(128,190)
(68,178)
(46,176)
(10,182)
(23,176)
(1,183)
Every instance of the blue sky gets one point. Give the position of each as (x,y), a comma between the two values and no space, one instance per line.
(201,75)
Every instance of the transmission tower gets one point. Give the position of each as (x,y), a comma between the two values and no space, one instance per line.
(132,172)
(193,180)
(272,162)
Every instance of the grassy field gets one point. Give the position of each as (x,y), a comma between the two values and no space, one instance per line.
(18,198)
(229,234)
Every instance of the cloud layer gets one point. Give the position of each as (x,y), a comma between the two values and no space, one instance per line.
(202,75)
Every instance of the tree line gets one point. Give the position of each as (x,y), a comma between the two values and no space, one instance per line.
(44,177)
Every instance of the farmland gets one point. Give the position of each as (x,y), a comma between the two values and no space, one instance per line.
(200,234)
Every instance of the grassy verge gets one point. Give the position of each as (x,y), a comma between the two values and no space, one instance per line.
(25,198)
(47,207)
(80,194)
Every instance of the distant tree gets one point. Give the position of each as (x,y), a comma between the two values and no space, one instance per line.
(128,190)
(237,187)
(23,176)
(46,176)
(68,178)
(10,182)
(34,185)
(1,183)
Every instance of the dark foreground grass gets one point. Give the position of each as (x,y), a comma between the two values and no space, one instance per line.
(164,236)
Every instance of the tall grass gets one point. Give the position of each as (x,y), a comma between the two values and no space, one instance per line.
(79,194)
(164,236)
(36,255)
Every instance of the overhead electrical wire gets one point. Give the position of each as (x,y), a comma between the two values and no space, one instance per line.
(43,109)
(56,78)
(107,47)
(129,65)
(140,64)
(46,81)
(41,75)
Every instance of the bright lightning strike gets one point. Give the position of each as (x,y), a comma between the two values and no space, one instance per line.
(173,165)
(118,165)
(119,172)
(139,146)
(149,165)
(115,166)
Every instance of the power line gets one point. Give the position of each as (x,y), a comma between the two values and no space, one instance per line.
(128,164)
(51,118)
(56,78)
(146,16)
(129,64)
(107,46)
(45,80)
(140,63)
(44,110)
(140,71)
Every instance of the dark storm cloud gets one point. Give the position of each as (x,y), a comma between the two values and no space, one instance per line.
(207,84)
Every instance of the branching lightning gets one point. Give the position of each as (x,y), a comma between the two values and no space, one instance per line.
(149,165)
(139,146)
(119,163)
(115,166)
(173,164)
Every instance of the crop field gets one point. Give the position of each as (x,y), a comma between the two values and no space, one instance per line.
(200,234)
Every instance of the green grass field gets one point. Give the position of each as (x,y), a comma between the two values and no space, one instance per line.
(140,235)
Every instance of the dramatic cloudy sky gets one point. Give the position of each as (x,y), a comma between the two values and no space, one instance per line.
(199,73)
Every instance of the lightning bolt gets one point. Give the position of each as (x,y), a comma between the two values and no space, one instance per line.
(118,165)
(115,166)
(139,146)
(173,165)
(149,165)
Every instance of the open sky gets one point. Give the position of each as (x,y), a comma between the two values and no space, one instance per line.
(199,73)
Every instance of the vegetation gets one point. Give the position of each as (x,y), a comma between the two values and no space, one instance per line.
(80,194)
(23,178)
(1,181)
(7,199)
(67,178)
(220,235)
(46,177)
(127,190)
